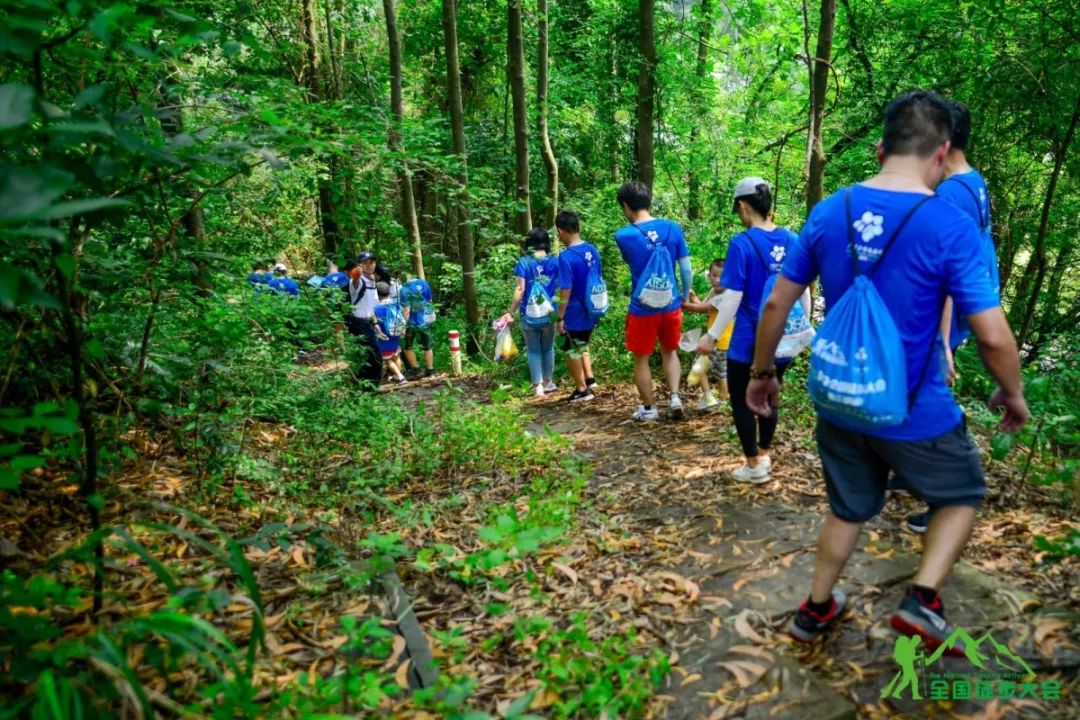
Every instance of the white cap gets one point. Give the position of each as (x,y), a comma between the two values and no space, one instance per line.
(749,185)
(280,267)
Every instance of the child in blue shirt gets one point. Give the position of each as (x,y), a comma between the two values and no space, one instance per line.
(389,337)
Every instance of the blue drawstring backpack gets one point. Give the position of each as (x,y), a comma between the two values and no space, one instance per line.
(538,305)
(798,333)
(395,320)
(858,366)
(656,287)
(421,311)
(596,295)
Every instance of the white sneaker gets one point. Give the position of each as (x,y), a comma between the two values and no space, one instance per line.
(539,391)
(755,475)
(642,414)
(675,405)
(550,386)
(764,461)
(707,402)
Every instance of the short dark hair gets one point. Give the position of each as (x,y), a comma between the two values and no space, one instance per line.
(568,220)
(538,239)
(917,123)
(761,200)
(257,265)
(383,289)
(635,195)
(382,273)
(961,125)
(350,265)
(718,262)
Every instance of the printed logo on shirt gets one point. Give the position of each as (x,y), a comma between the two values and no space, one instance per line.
(588,258)
(778,252)
(865,252)
(869,225)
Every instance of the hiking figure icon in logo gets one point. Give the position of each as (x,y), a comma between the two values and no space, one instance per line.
(905,655)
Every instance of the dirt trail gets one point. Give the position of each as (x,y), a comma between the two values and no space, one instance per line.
(712,569)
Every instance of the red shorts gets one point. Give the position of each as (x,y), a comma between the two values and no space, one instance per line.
(642,332)
(389,354)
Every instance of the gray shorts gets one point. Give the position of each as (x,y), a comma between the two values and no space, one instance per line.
(942,471)
(718,368)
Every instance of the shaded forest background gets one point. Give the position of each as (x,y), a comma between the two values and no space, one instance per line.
(150,151)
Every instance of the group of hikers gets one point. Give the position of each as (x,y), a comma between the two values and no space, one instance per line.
(907,269)
(387,316)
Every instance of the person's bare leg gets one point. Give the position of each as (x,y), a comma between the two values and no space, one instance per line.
(429,358)
(395,369)
(946,536)
(672,370)
(643,379)
(835,545)
(586,362)
(577,372)
(410,358)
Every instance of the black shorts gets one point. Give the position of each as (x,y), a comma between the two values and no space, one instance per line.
(576,338)
(411,333)
(942,471)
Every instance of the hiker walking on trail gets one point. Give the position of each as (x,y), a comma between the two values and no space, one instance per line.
(281,283)
(753,255)
(965,188)
(653,247)
(717,374)
(416,295)
(535,271)
(887,252)
(362,297)
(583,301)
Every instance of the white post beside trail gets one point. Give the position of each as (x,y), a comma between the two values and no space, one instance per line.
(455,353)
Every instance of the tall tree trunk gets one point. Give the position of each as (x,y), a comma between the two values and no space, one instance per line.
(408,201)
(331,230)
(701,70)
(466,244)
(643,136)
(1039,256)
(336,61)
(516,68)
(550,162)
(822,57)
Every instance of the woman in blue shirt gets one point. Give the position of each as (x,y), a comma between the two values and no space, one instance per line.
(753,255)
(537,265)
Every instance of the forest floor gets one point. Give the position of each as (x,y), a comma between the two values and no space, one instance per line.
(665,557)
(745,554)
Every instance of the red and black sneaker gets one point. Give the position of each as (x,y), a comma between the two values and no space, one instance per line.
(809,624)
(928,622)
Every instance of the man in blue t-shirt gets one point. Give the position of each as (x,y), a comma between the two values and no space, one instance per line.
(965,188)
(655,312)
(416,295)
(259,277)
(334,278)
(931,452)
(575,322)
(281,282)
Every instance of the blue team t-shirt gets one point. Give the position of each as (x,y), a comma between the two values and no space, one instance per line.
(336,280)
(745,272)
(968,192)
(936,255)
(542,270)
(256,279)
(635,245)
(414,294)
(382,313)
(574,264)
(284,285)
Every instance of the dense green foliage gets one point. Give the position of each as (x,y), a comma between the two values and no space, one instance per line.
(149,151)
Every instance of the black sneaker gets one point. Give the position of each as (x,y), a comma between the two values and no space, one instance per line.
(808,624)
(918,522)
(430,372)
(590,384)
(581,396)
(928,622)
(401,381)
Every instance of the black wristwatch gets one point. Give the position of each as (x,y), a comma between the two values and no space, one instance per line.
(763,374)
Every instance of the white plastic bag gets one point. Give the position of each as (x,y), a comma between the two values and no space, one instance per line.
(505,349)
(689,340)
